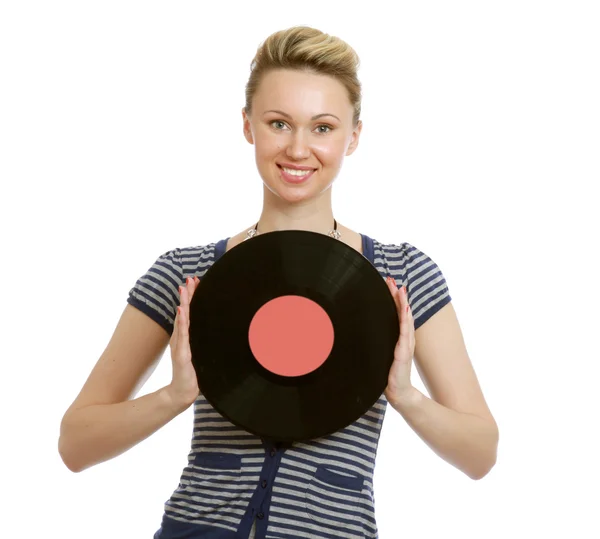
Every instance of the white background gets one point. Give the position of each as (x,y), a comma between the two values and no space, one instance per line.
(481,139)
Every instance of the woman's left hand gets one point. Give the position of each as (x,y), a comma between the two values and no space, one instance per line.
(399,383)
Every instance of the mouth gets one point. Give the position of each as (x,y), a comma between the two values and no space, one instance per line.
(295,176)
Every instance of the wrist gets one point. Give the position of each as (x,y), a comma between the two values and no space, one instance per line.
(174,401)
(406,400)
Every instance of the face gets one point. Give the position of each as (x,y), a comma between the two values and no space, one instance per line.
(300,120)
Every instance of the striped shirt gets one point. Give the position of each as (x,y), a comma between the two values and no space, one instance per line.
(237,486)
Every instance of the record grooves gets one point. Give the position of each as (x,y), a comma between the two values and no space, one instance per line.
(334,344)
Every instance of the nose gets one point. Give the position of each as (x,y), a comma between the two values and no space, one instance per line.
(298,147)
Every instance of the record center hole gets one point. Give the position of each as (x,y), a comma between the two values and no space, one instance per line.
(291,335)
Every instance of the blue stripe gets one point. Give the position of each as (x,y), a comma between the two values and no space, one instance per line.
(149,311)
(226,482)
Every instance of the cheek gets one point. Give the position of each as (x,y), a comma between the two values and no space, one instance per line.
(267,147)
(330,152)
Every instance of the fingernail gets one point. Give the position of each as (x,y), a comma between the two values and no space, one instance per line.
(394,281)
(407,308)
(180,289)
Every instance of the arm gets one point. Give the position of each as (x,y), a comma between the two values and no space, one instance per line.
(456,422)
(99,432)
(101,423)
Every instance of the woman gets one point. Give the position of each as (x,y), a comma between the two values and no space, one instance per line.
(302,115)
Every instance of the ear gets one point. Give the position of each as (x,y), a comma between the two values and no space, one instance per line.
(354,138)
(246,127)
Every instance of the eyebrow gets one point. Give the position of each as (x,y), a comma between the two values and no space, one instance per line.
(316,117)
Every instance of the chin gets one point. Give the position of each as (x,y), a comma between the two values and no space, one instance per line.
(290,195)
(314,187)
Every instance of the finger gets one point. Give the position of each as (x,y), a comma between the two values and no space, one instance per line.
(194,285)
(404,309)
(183,308)
(409,319)
(396,294)
(175,332)
(406,305)
(183,294)
(191,285)
(183,326)
(185,303)
(180,289)
(391,284)
(401,301)
(184,299)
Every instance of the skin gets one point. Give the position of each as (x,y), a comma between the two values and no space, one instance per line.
(455,422)
(105,420)
(294,137)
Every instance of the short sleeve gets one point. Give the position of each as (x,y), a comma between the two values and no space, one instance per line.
(156,293)
(426,285)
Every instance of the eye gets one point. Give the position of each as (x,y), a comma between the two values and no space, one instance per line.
(279,125)
(276,122)
(328,127)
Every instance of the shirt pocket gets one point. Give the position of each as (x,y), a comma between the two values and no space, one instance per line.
(214,477)
(337,499)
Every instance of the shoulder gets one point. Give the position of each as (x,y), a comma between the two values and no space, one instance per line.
(424,280)
(156,291)
(402,259)
(187,261)
(399,254)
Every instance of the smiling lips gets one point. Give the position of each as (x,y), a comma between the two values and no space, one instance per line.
(296,175)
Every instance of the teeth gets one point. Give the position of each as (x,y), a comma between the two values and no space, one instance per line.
(294,172)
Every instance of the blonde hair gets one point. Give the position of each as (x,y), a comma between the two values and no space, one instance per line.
(307,49)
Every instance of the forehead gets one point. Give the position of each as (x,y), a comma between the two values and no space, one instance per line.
(298,92)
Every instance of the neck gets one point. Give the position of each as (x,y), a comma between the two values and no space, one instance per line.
(316,225)
(314,216)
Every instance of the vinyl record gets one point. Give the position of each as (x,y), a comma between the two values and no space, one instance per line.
(292,335)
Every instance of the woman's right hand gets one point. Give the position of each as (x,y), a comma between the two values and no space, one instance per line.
(183,388)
